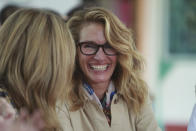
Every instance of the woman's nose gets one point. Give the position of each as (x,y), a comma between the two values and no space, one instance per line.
(100,54)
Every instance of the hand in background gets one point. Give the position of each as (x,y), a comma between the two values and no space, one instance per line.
(7,112)
(23,122)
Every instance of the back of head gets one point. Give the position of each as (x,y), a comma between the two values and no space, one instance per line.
(7,11)
(37,57)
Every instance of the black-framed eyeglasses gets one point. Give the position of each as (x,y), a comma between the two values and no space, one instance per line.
(91,48)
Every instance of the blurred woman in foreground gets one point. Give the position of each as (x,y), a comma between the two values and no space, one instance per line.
(37,57)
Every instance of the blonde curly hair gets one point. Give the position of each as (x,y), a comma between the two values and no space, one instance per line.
(127,74)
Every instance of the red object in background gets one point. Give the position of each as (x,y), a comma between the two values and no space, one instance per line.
(175,127)
(125,11)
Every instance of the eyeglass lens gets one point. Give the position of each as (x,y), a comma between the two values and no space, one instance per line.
(91,48)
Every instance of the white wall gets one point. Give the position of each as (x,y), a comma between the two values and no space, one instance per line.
(151,38)
(179,92)
(61,6)
(175,92)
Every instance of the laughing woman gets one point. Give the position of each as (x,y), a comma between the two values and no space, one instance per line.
(109,93)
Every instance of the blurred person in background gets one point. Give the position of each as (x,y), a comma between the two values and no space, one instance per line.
(73,10)
(82,5)
(192,121)
(108,92)
(6,11)
(37,56)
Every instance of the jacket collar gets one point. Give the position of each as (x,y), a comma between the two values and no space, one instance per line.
(85,94)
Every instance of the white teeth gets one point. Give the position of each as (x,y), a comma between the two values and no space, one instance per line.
(99,67)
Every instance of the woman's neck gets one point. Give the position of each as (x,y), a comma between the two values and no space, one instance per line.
(100,88)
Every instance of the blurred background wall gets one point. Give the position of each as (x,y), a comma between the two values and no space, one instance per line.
(165,33)
(61,6)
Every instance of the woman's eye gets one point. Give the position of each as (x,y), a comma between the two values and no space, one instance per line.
(90,46)
(86,46)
